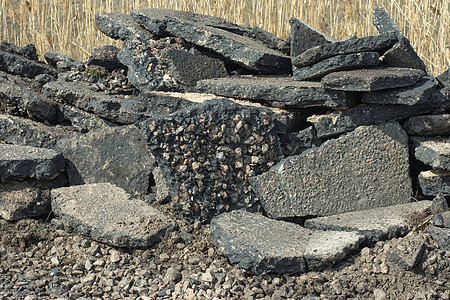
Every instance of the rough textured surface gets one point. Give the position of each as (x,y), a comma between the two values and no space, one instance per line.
(383,22)
(410,95)
(444,78)
(441,236)
(81,120)
(337,63)
(19,65)
(118,26)
(304,37)
(105,57)
(408,251)
(263,245)
(364,169)
(116,155)
(207,152)
(434,182)
(17,162)
(434,152)
(107,214)
(276,91)
(367,80)
(371,43)
(375,224)
(428,125)
(403,55)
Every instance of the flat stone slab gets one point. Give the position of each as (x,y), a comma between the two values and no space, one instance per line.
(383,21)
(120,26)
(377,224)
(22,66)
(434,152)
(17,162)
(434,182)
(304,37)
(117,155)
(368,80)
(377,43)
(428,125)
(410,95)
(440,235)
(263,245)
(106,213)
(403,55)
(444,78)
(276,91)
(366,168)
(337,63)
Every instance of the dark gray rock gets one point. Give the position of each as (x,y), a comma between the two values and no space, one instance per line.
(402,55)
(377,224)
(53,58)
(106,57)
(268,39)
(337,63)
(18,65)
(407,252)
(81,120)
(123,27)
(377,43)
(304,37)
(440,235)
(410,95)
(263,245)
(428,125)
(297,142)
(276,91)
(383,22)
(207,152)
(28,51)
(364,169)
(368,80)
(116,155)
(444,78)
(17,162)
(439,204)
(107,214)
(434,152)
(434,182)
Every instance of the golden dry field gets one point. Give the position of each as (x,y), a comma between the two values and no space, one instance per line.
(67,26)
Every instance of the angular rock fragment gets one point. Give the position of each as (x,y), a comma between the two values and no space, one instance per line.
(28,51)
(377,43)
(268,39)
(107,214)
(383,22)
(434,182)
(444,78)
(207,152)
(53,58)
(304,37)
(368,80)
(18,65)
(116,155)
(434,152)
(377,224)
(428,125)
(440,235)
(81,120)
(17,162)
(123,27)
(363,169)
(337,63)
(407,252)
(276,91)
(297,142)
(410,95)
(402,55)
(105,57)
(264,245)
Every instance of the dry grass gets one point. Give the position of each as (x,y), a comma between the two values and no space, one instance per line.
(68,26)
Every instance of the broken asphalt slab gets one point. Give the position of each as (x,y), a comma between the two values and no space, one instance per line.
(434,182)
(120,26)
(433,151)
(22,66)
(366,168)
(107,214)
(263,245)
(428,125)
(304,37)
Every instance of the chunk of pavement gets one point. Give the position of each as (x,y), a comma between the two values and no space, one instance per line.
(433,151)
(212,147)
(383,22)
(118,155)
(368,80)
(121,26)
(439,204)
(402,55)
(296,142)
(17,162)
(304,37)
(21,131)
(269,39)
(428,125)
(279,91)
(376,43)
(106,57)
(444,78)
(28,51)
(264,245)
(53,58)
(407,252)
(19,65)
(337,63)
(433,182)
(366,168)
(27,198)
(376,224)
(107,214)
(81,120)
(441,235)
(410,95)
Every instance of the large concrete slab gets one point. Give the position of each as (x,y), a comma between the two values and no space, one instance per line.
(123,27)
(277,91)
(434,182)
(304,37)
(377,43)
(337,63)
(264,245)
(368,80)
(363,169)
(428,125)
(434,152)
(106,213)
(17,162)
(382,223)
